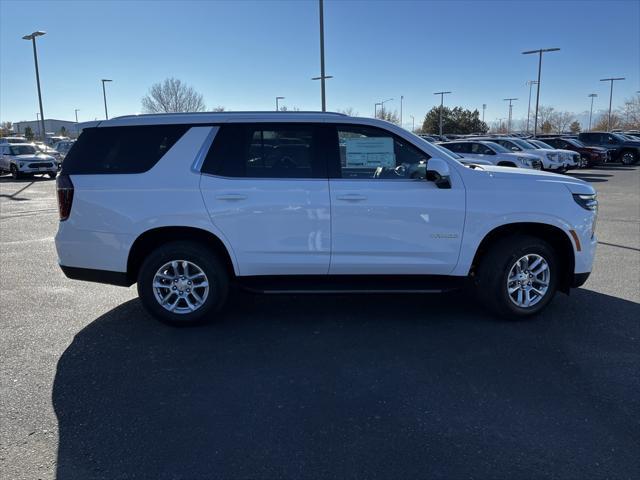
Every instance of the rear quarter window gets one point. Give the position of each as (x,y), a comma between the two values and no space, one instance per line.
(120,149)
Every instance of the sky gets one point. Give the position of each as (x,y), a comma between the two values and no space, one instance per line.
(242,54)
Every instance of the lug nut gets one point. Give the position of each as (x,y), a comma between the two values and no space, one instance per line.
(174,287)
(189,282)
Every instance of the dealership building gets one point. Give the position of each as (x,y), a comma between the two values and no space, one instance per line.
(51,126)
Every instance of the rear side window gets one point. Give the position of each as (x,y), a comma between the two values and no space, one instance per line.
(120,149)
(265,150)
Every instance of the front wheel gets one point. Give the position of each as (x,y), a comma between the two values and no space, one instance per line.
(628,158)
(517,276)
(183,283)
(52,175)
(15,173)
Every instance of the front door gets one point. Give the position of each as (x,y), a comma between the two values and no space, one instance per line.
(386,218)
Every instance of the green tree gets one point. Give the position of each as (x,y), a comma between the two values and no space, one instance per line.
(28,133)
(454,120)
(575,127)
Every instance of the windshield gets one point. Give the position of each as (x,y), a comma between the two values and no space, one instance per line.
(444,151)
(524,145)
(574,142)
(497,147)
(22,150)
(540,144)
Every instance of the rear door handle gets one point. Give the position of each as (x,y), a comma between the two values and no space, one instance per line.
(351,197)
(231,196)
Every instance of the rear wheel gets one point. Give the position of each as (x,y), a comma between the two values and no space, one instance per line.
(183,283)
(518,276)
(52,174)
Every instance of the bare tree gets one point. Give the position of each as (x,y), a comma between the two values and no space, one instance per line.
(630,113)
(561,121)
(602,123)
(349,111)
(546,115)
(388,115)
(172,96)
(219,108)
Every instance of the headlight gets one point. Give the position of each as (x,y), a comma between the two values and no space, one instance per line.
(588,202)
(526,161)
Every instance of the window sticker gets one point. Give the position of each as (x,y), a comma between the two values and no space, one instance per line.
(370,152)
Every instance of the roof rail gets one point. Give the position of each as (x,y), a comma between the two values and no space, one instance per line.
(230,113)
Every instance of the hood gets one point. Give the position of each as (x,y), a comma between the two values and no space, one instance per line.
(40,157)
(574,185)
(595,149)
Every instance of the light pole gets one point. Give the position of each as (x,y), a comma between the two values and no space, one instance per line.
(401,99)
(104,95)
(381,107)
(442,94)
(38,123)
(413,124)
(592,95)
(76,110)
(277,106)
(510,110)
(32,37)
(484,107)
(611,80)
(322,76)
(539,52)
(530,83)
(375,110)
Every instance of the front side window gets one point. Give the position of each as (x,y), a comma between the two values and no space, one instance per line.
(369,152)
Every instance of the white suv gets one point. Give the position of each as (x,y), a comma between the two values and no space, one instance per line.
(188,204)
(21,159)
(492,152)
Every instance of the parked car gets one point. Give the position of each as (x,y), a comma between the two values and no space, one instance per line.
(622,149)
(63,147)
(572,157)
(22,159)
(52,140)
(467,162)
(187,205)
(494,153)
(5,140)
(551,159)
(589,155)
(47,150)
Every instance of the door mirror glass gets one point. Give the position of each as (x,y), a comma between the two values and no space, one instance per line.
(438,172)
(515,149)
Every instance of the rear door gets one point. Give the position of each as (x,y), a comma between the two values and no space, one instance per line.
(385,217)
(266,189)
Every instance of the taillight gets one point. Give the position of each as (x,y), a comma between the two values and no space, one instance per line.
(65,196)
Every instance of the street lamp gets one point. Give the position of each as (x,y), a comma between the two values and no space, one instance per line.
(592,95)
(104,95)
(322,76)
(277,107)
(530,83)
(76,110)
(611,80)
(382,105)
(413,124)
(510,110)
(401,99)
(442,94)
(32,37)
(484,107)
(539,52)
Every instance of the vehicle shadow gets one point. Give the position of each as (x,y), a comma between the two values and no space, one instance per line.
(365,386)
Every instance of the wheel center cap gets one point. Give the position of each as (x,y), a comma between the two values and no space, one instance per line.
(182,285)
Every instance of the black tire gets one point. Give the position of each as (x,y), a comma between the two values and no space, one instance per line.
(15,173)
(52,175)
(198,254)
(628,157)
(493,270)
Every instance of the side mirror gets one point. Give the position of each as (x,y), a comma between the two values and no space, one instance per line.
(438,172)
(515,149)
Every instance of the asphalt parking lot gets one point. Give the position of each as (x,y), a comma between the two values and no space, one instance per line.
(317,387)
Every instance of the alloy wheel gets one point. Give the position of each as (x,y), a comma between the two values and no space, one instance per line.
(528,280)
(180,286)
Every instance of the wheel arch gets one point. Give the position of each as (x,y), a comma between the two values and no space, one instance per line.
(555,236)
(151,239)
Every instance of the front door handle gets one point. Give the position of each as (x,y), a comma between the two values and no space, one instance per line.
(351,197)
(231,196)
